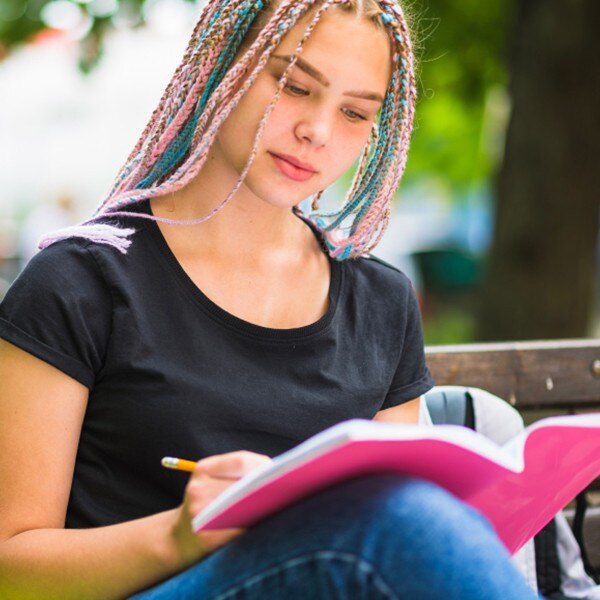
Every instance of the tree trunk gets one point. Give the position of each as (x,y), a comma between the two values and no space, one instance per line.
(542,267)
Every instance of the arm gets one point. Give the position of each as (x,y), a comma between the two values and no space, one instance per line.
(42,410)
(408,412)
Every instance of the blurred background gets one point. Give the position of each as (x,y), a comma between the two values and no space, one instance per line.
(497,218)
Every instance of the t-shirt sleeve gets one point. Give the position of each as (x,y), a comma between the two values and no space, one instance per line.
(59,309)
(412,377)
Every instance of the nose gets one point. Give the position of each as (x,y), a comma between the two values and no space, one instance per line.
(316,127)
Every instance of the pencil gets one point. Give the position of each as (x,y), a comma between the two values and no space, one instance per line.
(178,463)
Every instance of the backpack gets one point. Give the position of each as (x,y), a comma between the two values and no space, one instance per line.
(554,562)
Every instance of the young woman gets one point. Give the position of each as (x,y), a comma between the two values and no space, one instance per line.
(232,338)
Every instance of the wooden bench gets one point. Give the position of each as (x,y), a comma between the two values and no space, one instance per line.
(539,379)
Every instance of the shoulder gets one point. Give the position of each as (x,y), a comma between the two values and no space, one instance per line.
(65,272)
(381,286)
(59,308)
(96,250)
(61,260)
(377,275)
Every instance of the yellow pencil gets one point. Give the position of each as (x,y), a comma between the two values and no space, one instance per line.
(178,463)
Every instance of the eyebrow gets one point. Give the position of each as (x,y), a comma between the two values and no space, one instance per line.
(315,74)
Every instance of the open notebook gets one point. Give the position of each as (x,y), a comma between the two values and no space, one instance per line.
(519,486)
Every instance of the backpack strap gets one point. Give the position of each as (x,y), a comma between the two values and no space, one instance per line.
(451,407)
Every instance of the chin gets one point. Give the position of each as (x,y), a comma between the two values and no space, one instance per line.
(277,196)
(281,204)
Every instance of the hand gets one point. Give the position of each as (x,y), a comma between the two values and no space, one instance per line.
(211,477)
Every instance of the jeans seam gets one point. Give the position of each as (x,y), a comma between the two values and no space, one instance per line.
(360,562)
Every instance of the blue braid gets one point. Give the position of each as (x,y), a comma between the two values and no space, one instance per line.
(371,171)
(180,145)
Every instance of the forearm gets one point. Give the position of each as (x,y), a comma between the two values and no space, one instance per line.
(103,562)
(408,412)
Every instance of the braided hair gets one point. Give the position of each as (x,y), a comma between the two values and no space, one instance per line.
(204,90)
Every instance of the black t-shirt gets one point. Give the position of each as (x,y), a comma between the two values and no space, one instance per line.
(170,373)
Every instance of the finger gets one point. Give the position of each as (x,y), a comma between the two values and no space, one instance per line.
(237,458)
(202,490)
(232,464)
(215,538)
(208,486)
(221,533)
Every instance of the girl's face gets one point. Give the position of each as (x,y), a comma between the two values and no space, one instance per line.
(318,119)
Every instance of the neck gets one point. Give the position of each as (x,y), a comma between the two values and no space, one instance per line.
(246,230)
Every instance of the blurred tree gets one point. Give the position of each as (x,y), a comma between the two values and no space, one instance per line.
(542,263)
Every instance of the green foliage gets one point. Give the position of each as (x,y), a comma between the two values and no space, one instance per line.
(19,20)
(461,50)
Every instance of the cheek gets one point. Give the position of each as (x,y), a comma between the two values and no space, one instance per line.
(244,120)
(238,131)
(345,152)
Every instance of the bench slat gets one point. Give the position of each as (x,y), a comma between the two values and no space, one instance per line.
(559,374)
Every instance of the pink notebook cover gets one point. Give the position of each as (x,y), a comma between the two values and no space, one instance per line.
(561,457)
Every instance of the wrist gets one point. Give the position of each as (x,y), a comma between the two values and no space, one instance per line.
(180,548)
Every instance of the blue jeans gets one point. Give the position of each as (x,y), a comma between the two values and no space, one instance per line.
(378,536)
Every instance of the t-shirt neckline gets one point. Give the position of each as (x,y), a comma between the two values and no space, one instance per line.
(237,323)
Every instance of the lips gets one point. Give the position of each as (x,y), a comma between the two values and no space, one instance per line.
(297,163)
(290,170)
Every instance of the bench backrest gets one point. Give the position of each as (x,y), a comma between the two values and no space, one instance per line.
(557,374)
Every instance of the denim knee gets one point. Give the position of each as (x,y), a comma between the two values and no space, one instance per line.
(419,537)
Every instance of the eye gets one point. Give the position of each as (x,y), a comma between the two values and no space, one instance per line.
(297,89)
(356,117)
